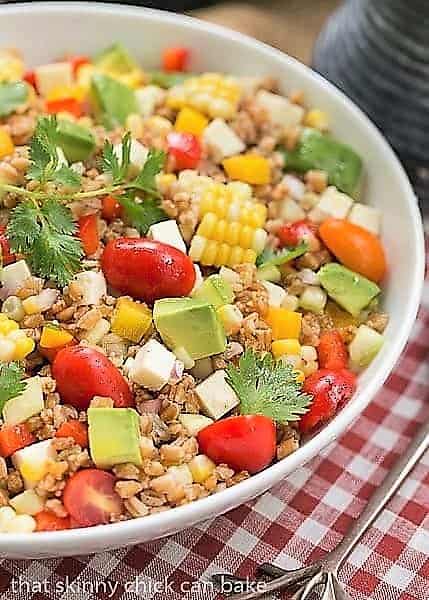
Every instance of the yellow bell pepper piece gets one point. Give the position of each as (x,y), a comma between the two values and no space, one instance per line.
(61,92)
(249,168)
(6,144)
(190,120)
(290,347)
(285,324)
(131,320)
(54,337)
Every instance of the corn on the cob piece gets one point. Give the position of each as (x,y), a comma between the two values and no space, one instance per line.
(231,228)
(14,344)
(213,94)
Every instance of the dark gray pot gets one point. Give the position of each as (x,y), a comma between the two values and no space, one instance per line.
(377,52)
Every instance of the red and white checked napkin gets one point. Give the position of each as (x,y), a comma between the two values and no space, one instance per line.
(294,524)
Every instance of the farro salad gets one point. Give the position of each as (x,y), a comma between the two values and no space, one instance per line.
(189,283)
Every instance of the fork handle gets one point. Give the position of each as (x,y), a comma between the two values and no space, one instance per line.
(381,496)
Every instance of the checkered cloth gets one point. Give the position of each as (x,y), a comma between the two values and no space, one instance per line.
(294,524)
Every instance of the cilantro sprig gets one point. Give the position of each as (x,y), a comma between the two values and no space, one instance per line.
(11,383)
(276,258)
(267,387)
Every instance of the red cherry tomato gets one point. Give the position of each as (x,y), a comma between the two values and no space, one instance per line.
(175,59)
(76,430)
(70,105)
(245,443)
(88,233)
(330,390)
(30,77)
(111,208)
(332,351)
(14,437)
(90,498)
(186,149)
(146,269)
(47,521)
(82,373)
(77,62)
(292,234)
(7,256)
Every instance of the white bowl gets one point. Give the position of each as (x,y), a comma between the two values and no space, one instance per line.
(44,32)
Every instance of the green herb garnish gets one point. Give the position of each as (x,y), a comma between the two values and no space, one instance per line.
(266,387)
(11,383)
(12,95)
(271,257)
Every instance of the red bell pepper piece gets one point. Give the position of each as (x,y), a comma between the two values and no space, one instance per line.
(48,521)
(111,208)
(76,430)
(292,234)
(186,149)
(77,61)
(88,233)
(30,77)
(175,58)
(13,438)
(70,105)
(6,253)
(332,351)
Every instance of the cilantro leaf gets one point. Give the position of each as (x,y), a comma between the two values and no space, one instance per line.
(271,257)
(267,387)
(143,214)
(12,95)
(11,384)
(145,180)
(66,176)
(111,164)
(45,236)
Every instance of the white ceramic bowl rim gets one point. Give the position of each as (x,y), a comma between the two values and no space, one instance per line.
(225,500)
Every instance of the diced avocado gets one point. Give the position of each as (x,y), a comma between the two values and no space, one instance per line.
(215,290)
(316,150)
(76,142)
(351,291)
(114,436)
(26,405)
(168,80)
(115,60)
(189,323)
(113,101)
(365,346)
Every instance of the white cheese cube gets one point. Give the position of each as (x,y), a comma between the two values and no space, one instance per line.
(229,275)
(366,217)
(249,85)
(295,186)
(27,503)
(93,287)
(334,203)
(33,462)
(26,405)
(222,140)
(168,233)
(138,156)
(216,397)
(148,98)
(52,76)
(194,423)
(279,109)
(276,294)
(14,276)
(152,366)
(291,211)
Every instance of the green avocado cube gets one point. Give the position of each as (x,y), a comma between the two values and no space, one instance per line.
(316,150)
(351,291)
(76,142)
(189,323)
(114,436)
(113,101)
(215,290)
(115,60)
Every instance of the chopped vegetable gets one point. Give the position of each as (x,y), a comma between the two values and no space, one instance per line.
(14,343)
(28,403)
(249,168)
(12,95)
(190,120)
(69,105)
(266,387)
(185,148)
(290,347)
(131,320)
(11,383)
(76,430)
(7,256)
(349,289)
(48,521)
(332,351)
(365,346)
(33,462)
(6,144)
(284,323)
(113,101)
(13,438)
(269,258)
(175,59)
(88,234)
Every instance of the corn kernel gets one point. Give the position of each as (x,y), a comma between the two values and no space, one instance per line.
(6,144)
(219,231)
(284,347)
(8,326)
(207,225)
(284,323)
(249,256)
(210,252)
(250,168)
(201,468)
(236,256)
(318,119)
(222,255)
(232,235)
(23,348)
(31,305)
(198,245)
(190,120)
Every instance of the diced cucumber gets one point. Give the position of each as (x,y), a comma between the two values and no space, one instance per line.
(269,273)
(314,299)
(365,346)
(316,150)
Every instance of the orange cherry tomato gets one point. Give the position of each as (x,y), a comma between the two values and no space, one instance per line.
(88,233)
(47,521)
(355,247)
(175,59)
(111,209)
(76,430)
(70,105)
(90,497)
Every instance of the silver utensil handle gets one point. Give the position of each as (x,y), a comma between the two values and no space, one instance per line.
(381,496)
